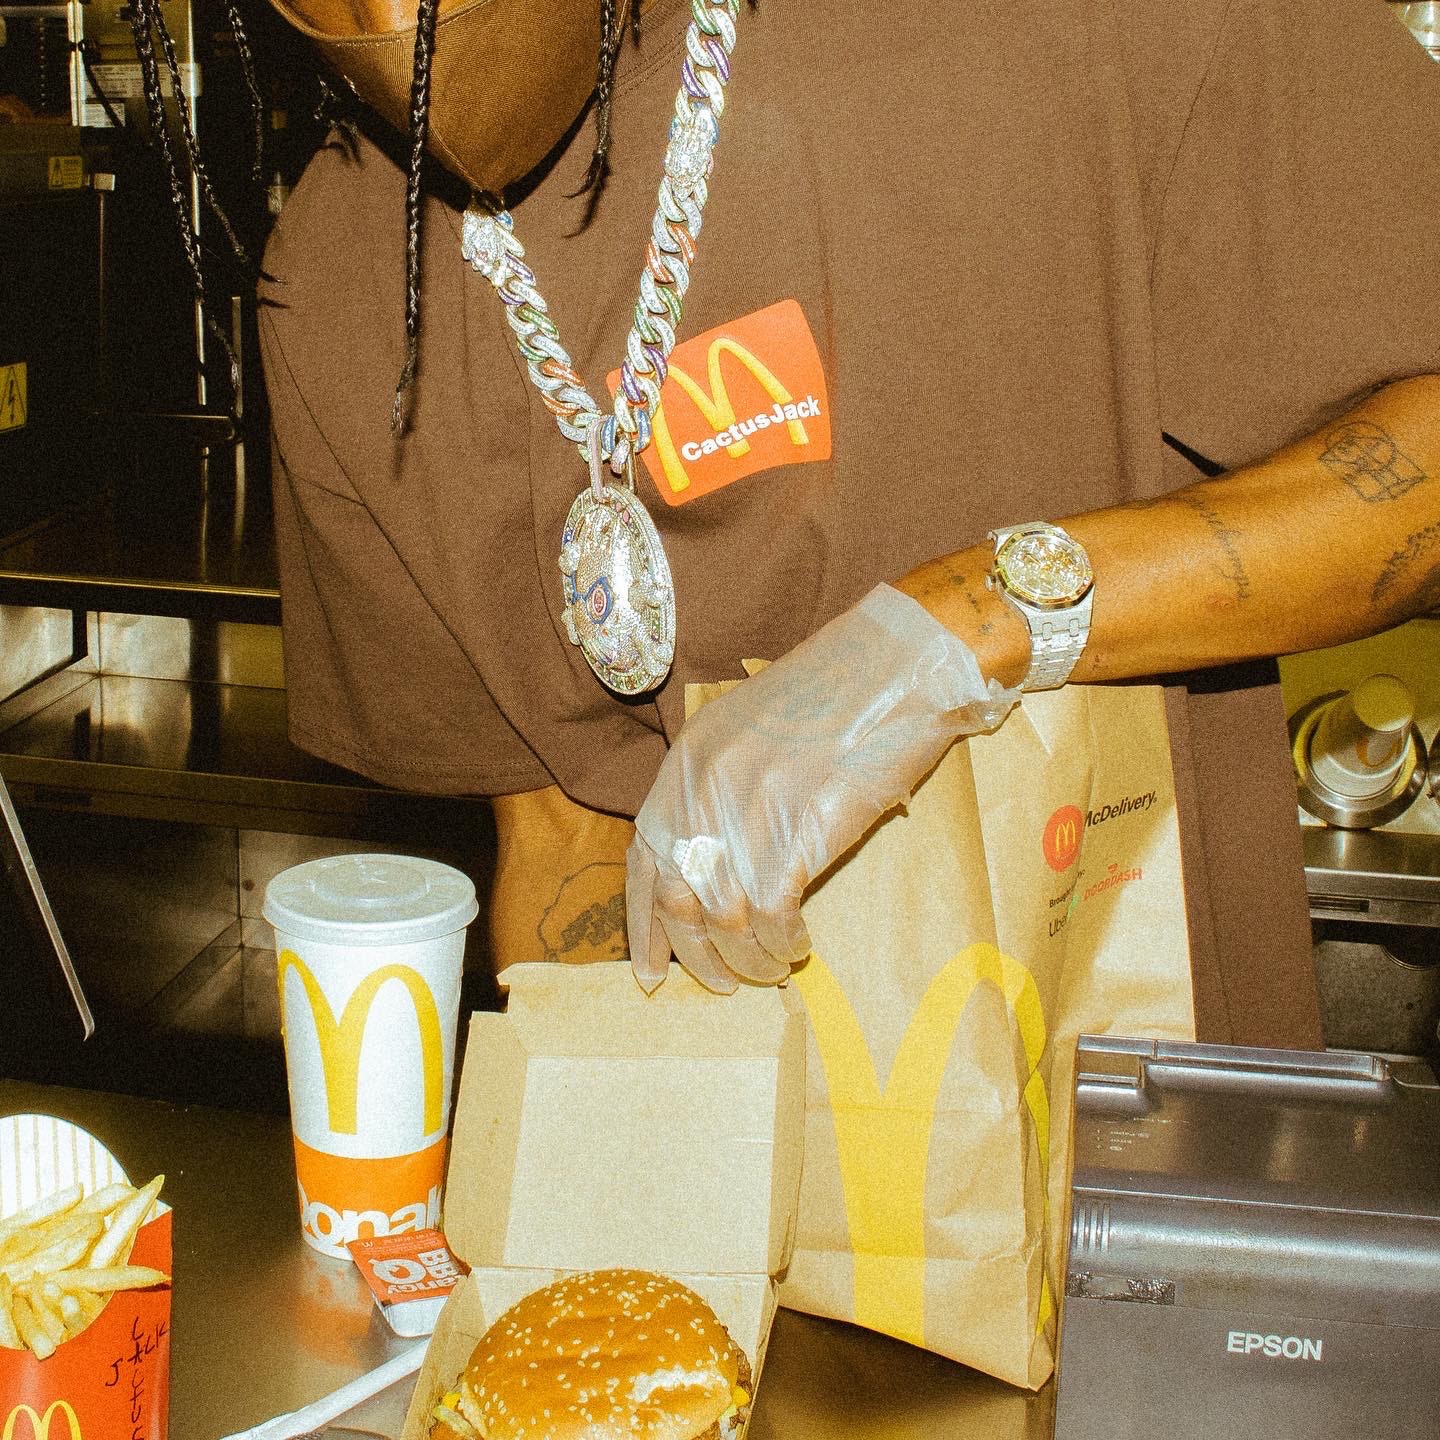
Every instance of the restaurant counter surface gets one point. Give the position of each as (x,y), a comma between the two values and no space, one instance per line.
(262,1324)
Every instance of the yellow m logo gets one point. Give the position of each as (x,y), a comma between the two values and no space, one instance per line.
(39,1425)
(884,1138)
(341,1041)
(717,408)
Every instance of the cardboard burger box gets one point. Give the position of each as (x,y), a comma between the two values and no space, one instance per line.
(112,1379)
(597,1126)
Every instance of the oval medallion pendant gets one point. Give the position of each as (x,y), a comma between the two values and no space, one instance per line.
(619,598)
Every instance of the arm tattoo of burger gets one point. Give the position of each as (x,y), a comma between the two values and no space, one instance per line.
(601,1355)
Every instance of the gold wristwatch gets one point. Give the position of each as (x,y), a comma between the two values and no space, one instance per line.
(1045,573)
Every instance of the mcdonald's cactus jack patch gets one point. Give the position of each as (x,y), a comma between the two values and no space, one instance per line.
(746,396)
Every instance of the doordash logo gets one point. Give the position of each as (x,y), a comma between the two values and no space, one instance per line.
(744,397)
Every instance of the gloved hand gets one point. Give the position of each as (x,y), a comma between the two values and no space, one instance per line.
(769,784)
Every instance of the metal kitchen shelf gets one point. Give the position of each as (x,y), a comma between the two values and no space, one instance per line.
(1376,876)
(177,532)
(189,535)
(211,754)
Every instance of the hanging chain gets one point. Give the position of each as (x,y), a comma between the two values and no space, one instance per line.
(490,245)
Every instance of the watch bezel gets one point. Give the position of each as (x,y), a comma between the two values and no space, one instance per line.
(1010,561)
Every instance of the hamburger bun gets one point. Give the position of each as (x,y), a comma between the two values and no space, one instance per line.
(601,1355)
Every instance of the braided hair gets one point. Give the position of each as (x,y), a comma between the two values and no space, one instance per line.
(419,130)
(147,23)
(611,35)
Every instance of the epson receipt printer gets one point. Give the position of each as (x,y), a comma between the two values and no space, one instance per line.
(1254,1246)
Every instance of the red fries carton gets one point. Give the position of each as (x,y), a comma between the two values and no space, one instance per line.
(107,1377)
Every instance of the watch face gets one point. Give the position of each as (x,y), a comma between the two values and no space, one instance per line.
(1045,568)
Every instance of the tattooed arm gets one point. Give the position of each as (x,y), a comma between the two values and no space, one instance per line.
(1335,537)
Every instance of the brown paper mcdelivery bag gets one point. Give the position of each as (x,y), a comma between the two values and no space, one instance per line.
(597,1126)
(1029,891)
(112,1380)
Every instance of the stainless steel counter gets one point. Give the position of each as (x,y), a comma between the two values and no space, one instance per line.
(262,1324)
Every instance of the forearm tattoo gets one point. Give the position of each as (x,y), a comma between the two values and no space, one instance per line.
(1367,458)
(585,922)
(963,584)
(1426,597)
(1232,568)
(1390,588)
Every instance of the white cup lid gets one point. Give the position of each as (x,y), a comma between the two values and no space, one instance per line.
(370,900)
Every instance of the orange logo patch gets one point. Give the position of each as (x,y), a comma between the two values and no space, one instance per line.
(743,397)
(1061,840)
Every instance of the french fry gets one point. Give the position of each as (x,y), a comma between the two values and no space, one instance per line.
(106,1199)
(62,1258)
(64,1243)
(42,1209)
(115,1243)
(31,1331)
(47,1316)
(9,1335)
(111,1277)
(90,1305)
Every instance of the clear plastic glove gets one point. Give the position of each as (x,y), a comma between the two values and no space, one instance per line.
(765,787)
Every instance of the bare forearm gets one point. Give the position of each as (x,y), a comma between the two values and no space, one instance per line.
(1334,537)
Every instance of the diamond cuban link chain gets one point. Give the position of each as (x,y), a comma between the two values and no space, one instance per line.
(619,596)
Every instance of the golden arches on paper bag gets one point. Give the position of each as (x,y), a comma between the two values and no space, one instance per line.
(883,1139)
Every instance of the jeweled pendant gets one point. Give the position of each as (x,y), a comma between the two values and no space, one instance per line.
(619,597)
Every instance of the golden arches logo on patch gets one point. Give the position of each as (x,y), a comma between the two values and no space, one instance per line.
(883,1137)
(39,1425)
(762,404)
(341,1041)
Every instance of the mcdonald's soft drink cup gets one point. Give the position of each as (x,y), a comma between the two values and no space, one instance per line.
(369,951)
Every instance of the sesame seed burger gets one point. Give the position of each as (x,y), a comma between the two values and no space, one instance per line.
(601,1355)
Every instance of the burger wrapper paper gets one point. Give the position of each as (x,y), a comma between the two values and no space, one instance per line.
(112,1380)
(597,1126)
(1030,890)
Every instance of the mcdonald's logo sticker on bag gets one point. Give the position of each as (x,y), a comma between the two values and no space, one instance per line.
(1061,838)
(747,396)
(42,1427)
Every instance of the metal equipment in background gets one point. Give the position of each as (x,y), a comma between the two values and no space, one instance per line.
(1254,1245)
(103,341)
(29,921)
(1364,720)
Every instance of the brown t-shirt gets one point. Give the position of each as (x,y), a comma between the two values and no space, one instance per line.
(987,256)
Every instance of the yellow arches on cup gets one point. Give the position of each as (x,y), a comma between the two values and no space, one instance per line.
(341,1041)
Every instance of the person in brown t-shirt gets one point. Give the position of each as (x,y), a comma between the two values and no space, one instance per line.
(1155,275)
